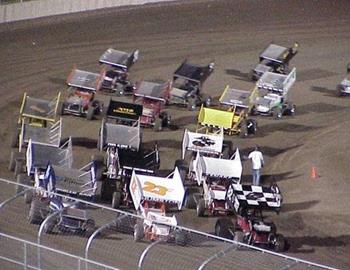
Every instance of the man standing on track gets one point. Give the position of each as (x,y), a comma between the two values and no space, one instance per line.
(257,163)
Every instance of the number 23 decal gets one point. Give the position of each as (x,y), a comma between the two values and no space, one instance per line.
(156,189)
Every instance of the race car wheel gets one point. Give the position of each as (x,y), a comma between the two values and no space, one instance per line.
(348,68)
(340,90)
(279,243)
(89,226)
(18,167)
(243,130)
(224,228)
(21,179)
(15,138)
(189,201)
(35,212)
(277,113)
(157,124)
(13,158)
(180,238)
(116,199)
(60,109)
(200,208)
(191,104)
(49,226)
(90,113)
(238,236)
(291,109)
(252,126)
(28,196)
(138,232)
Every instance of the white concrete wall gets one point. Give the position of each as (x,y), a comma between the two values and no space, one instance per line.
(42,8)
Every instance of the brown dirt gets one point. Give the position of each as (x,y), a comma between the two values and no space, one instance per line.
(37,55)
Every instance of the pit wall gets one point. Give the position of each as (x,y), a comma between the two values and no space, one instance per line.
(43,8)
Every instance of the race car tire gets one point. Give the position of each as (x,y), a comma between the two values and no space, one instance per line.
(238,236)
(116,199)
(277,113)
(180,238)
(35,212)
(200,208)
(189,201)
(28,196)
(138,232)
(60,108)
(90,113)
(21,179)
(89,227)
(191,104)
(224,227)
(49,226)
(13,158)
(18,167)
(243,130)
(279,243)
(15,138)
(157,124)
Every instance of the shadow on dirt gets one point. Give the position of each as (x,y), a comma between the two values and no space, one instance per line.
(58,81)
(84,142)
(288,207)
(306,244)
(183,121)
(319,108)
(238,74)
(313,74)
(327,92)
(268,151)
(163,143)
(269,179)
(283,126)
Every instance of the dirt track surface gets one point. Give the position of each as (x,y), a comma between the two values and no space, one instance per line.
(37,55)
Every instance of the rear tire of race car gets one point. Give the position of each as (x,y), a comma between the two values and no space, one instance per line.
(90,113)
(13,157)
(15,138)
(116,199)
(200,208)
(206,100)
(28,196)
(291,109)
(157,124)
(243,130)
(189,201)
(251,75)
(340,90)
(223,228)
(49,226)
(239,236)
(277,113)
(21,179)
(34,216)
(60,108)
(180,238)
(89,227)
(138,232)
(191,104)
(18,167)
(279,243)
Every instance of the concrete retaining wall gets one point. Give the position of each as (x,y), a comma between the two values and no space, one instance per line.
(42,8)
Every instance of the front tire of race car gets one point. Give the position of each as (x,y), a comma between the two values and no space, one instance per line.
(90,113)
(224,228)
(191,104)
(201,208)
(138,232)
(180,238)
(279,243)
(116,199)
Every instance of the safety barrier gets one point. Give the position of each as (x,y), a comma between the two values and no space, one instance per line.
(110,244)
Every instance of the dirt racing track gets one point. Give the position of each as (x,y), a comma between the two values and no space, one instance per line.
(36,56)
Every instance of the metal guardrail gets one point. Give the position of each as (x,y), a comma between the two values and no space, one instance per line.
(112,244)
